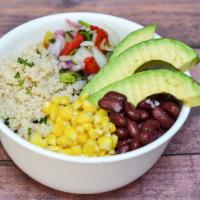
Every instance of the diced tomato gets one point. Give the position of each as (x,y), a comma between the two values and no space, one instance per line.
(74,44)
(91,66)
(101,35)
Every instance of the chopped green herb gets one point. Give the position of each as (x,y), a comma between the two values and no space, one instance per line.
(24,62)
(21,83)
(6,121)
(29,131)
(43,120)
(83,23)
(86,34)
(52,40)
(28,91)
(17,75)
(16,131)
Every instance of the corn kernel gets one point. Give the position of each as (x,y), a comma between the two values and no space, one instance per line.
(112,127)
(83,117)
(82,138)
(46,108)
(89,148)
(70,133)
(54,148)
(87,126)
(102,112)
(76,150)
(105,142)
(63,141)
(115,140)
(111,152)
(95,133)
(57,130)
(105,126)
(55,99)
(97,119)
(65,112)
(89,107)
(36,138)
(48,36)
(53,111)
(65,100)
(77,104)
(84,96)
(51,139)
(80,129)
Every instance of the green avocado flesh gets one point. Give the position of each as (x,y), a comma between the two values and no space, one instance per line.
(174,52)
(143,84)
(134,38)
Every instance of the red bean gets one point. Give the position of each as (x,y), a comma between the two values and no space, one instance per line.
(118,120)
(122,133)
(131,111)
(143,115)
(122,149)
(111,105)
(134,145)
(150,124)
(147,137)
(171,108)
(144,106)
(132,128)
(160,132)
(164,119)
(115,95)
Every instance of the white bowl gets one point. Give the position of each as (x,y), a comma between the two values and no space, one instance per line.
(78,174)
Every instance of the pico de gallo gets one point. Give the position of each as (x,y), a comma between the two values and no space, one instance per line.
(81,49)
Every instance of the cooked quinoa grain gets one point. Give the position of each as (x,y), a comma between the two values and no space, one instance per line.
(25,89)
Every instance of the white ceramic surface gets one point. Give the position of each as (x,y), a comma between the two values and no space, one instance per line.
(78,174)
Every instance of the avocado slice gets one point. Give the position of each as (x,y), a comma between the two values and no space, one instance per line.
(134,38)
(143,84)
(174,52)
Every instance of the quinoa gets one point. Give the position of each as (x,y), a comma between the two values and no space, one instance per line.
(24,89)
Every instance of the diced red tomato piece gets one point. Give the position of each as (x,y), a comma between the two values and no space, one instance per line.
(101,35)
(74,44)
(91,66)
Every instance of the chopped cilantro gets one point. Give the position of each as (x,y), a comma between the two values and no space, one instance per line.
(21,83)
(86,34)
(17,75)
(6,121)
(28,91)
(42,120)
(29,131)
(25,62)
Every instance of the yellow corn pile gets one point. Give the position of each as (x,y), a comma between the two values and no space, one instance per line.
(79,128)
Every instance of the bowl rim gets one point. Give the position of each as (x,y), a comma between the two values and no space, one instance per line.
(82,159)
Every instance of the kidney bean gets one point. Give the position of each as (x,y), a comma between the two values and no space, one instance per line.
(160,132)
(144,106)
(134,145)
(150,124)
(115,95)
(111,105)
(122,133)
(132,128)
(121,142)
(131,111)
(118,120)
(147,137)
(171,108)
(122,149)
(143,115)
(164,119)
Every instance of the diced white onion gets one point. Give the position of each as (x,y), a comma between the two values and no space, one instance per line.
(87,43)
(99,56)
(65,58)
(80,55)
(56,47)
